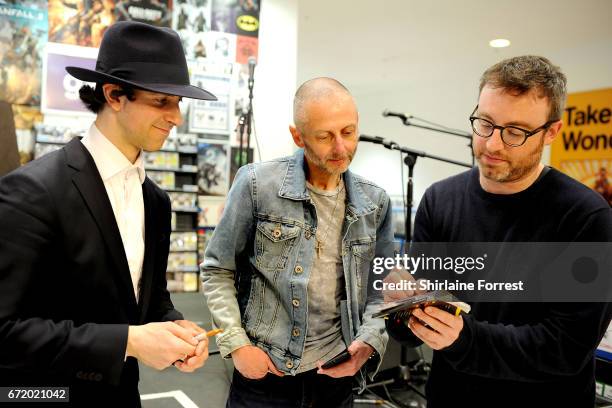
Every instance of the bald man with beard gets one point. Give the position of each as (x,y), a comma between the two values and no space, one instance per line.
(286,272)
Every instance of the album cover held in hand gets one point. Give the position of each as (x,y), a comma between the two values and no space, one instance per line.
(440,298)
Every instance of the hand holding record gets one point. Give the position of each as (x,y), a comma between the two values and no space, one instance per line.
(436,327)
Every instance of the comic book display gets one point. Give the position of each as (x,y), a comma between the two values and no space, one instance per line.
(213,169)
(23,35)
(80,22)
(39,38)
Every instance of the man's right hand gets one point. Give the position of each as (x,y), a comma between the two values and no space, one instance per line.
(252,362)
(159,345)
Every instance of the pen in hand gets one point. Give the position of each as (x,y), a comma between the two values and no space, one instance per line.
(211,333)
(201,337)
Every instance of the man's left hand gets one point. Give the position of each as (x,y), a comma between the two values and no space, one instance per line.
(359,351)
(444,328)
(196,360)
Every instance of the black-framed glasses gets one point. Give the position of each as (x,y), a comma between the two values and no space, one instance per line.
(511,135)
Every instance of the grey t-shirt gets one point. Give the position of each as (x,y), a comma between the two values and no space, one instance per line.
(326,282)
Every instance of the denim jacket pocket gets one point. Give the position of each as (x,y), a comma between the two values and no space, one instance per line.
(274,241)
(363,253)
(364,250)
(254,307)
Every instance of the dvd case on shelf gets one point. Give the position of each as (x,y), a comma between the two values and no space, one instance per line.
(182,281)
(211,210)
(56,134)
(184,241)
(164,179)
(162,160)
(42,149)
(183,262)
(190,282)
(182,200)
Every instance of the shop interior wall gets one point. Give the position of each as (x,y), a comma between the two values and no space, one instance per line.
(275,77)
(426,58)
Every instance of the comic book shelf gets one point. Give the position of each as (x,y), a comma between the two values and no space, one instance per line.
(174,169)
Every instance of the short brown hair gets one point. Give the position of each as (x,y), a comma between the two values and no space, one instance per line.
(522,74)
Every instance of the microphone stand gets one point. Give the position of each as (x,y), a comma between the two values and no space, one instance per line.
(244,125)
(410,161)
(403,369)
(406,121)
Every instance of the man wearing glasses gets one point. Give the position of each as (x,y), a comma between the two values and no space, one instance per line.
(512,354)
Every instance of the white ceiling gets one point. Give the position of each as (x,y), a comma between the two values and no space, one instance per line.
(376,44)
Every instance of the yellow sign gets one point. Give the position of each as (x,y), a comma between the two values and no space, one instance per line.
(583,149)
(247,23)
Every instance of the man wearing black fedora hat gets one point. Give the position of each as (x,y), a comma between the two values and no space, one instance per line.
(84,236)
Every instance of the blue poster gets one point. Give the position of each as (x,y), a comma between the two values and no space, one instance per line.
(23,35)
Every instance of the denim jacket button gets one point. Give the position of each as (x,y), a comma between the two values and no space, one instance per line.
(289,364)
(277,233)
(298,269)
(296,303)
(295,332)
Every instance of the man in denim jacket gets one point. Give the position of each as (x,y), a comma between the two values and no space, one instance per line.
(286,272)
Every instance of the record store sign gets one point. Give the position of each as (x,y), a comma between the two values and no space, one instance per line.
(583,147)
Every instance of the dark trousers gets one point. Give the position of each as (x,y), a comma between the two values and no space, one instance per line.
(307,389)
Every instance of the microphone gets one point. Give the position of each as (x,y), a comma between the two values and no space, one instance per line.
(378,140)
(371,139)
(252,63)
(402,116)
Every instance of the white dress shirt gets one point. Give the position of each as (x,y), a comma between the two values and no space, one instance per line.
(123,182)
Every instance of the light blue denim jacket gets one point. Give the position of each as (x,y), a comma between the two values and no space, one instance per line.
(258,261)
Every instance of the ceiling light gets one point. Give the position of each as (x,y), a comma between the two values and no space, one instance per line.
(499,43)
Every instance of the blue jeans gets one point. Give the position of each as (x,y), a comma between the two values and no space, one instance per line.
(307,389)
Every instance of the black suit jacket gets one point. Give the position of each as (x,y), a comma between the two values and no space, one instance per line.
(66,295)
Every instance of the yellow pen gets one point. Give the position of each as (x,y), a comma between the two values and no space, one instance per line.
(211,333)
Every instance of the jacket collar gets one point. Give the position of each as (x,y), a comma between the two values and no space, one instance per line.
(294,186)
(87,180)
(108,158)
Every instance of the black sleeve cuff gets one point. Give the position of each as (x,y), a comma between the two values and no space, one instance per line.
(458,350)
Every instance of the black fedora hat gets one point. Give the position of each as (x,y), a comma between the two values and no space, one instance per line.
(145,57)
